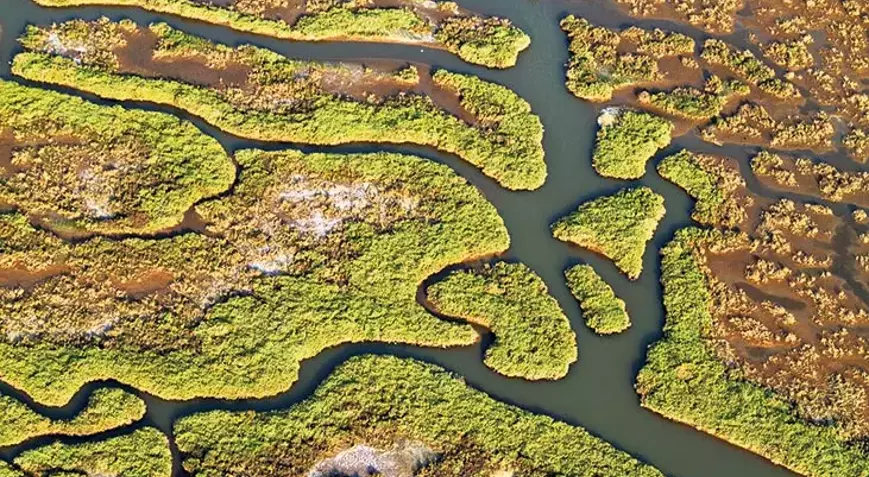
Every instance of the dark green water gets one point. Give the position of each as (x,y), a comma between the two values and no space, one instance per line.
(598,393)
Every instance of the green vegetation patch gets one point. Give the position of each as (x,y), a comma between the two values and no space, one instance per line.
(616,226)
(258,94)
(6,470)
(106,170)
(717,188)
(106,409)
(487,41)
(597,67)
(694,104)
(603,311)
(533,338)
(748,68)
(380,401)
(332,248)
(684,380)
(142,453)
(626,140)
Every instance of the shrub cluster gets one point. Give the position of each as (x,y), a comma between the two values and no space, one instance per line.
(791,54)
(752,124)
(856,142)
(694,104)
(747,67)
(714,16)
(812,177)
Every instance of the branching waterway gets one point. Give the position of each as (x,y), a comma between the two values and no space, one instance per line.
(598,393)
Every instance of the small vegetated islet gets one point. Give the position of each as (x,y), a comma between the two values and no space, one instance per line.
(856,142)
(616,226)
(602,310)
(533,338)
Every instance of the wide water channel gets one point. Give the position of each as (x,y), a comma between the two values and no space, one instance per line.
(598,393)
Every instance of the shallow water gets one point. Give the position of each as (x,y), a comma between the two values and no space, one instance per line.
(598,393)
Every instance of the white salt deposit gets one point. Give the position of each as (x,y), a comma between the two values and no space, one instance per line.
(364,461)
(316,225)
(274,266)
(608,116)
(56,46)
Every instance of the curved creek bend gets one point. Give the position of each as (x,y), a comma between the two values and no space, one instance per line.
(598,393)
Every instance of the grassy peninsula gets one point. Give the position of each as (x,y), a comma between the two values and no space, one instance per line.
(617,226)
(311,251)
(85,168)
(142,453)
(717,187)
(602,310)
(107,409)
(383,401)
(258,94)
(684,380)
(487,41)
(533,338)
(626,140)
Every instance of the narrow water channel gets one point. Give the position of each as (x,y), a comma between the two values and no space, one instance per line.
(598,393)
